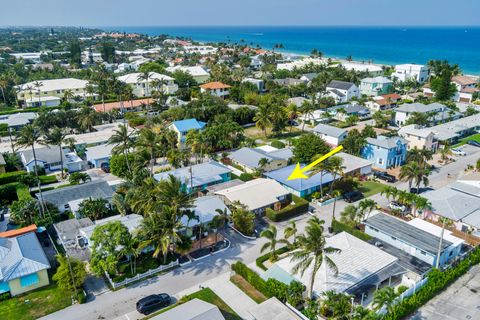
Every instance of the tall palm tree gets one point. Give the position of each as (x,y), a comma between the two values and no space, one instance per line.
(322,168)
(3,86)
(38,85)
(68,95)
(28,136)
(384,297)
(57,137)
(291,231)
(307,108)
(366,206)
(262,119)
(336,169)
(350,215)
(390,192)
(292,113)
(271,235)
(146,75)
(335,194)
(409,172)
(86,117)
(122,141)
(130,250)
(148,142)
(313,252)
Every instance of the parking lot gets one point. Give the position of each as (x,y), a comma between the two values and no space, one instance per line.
(460,301)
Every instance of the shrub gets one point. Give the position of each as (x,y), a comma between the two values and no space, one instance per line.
(277,144)
(8,192)
(300,206)
(47,179)
(10,177)
(338,227)
(5,296)
(243,221)
(260,260)
(246,177)
(23,193)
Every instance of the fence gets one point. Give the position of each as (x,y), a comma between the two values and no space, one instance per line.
(407,293)
(140,276)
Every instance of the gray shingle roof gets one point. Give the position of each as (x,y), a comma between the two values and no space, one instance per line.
(21,256)
(385,142)
(195,309)
(420,107)
(405,232)
(251,156)
(342,85)
(329,130)
(97,189)
(49,154)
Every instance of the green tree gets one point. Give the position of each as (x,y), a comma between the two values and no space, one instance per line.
(94,208)
(76,177)
(57,137)
(71,273)
(354,142)
(107,50)
(271,235)
(313,252)
(381,119)
(263,119)
(122,141)
(308,146)
(419,118)
(243,221)
(291,231)
(350,215)
(75,53)
(441,81)
(384,297)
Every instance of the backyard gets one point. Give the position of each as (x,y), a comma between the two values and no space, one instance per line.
(474,137)
(209,296)
(369,188)
(35,304)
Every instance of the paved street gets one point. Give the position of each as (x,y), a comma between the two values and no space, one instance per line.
(117,304)
(460,301)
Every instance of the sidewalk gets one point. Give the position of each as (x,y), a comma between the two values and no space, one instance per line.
(228,292)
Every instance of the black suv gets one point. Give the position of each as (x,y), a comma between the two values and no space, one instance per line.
(352,196)
(153,302)
(384,176)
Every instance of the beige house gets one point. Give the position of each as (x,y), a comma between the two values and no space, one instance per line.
(142,89)
(418,137)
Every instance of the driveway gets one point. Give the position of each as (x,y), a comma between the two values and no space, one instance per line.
(460,301)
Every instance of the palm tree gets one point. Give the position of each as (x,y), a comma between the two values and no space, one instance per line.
(262,163)
(307,108)
(271,235)
(120,203)
(122,141)
(366,206)
(336,168)
(28,136)
(421,156)
(262,119)
(384,297)
(445,152)
(68,95)
(313,252)
(390,192)
(291,231)
(130,250)
(218,222)
(146,75)
(292,113)
(322,168)
(350,215)
(37,85)
(57,137)
(148,142)
(335,194)
(3,86)
(86,118)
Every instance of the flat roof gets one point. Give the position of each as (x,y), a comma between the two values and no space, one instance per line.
(406,232)
(195,309)
(273,309)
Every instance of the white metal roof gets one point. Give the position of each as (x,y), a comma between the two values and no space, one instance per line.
(135,77)
(57,84)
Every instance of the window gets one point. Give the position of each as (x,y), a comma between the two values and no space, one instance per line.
(393,238)
(380,161)
(423,252)
(29,280)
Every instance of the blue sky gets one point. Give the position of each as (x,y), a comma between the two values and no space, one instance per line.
(239,12)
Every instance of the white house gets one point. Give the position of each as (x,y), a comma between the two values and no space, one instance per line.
(48,101)
(259,83)
(199,74)
(342,91)
(49,159)
(53,88)
(466,87)
(418,137)
(404,72)
(216,88)
(332,135)
(436,112)
(140,87)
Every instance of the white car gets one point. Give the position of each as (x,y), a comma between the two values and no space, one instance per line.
(397,206)
(458,152)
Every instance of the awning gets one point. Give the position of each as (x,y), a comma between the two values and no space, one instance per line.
(371,281)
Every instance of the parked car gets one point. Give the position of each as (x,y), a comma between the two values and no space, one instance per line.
(397,206)
(458,152)
(384,176)
(105,167)
(473,143)
(352,196)
(153,302)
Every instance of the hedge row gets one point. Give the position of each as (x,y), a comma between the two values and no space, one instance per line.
(10,177)
(47,179)
(300,207)
(23,193)
(260,260)
(269,288)
(437,282)
(8,193)
(338,227)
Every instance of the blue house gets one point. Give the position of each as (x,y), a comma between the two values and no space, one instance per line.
(182,127)
(385,152)
(198,177)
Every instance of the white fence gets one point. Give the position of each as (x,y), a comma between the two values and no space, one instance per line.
(140,276)
(410,291)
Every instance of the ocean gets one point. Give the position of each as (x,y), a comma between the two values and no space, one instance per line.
(384,45)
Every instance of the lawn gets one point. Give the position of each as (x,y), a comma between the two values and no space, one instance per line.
(35,304)
(369,188)
(474,137)
(206,295)
(249,290)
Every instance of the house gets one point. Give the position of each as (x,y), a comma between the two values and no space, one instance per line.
(384,102)
(419,137)
(249,159)
(299,64)
(101,135)
(417,72)
(385,152)
(352,165)
(258,83)
(459,202)
(256,62)
(46,101)
(418,238)
(197,72)
(195,309)
(342,91)
(16,121)
(181,128)
(372,69)
(53,88)
(23,264)
(332,135)
(131,221)
(144,88)
(298,101)
(124,106)
(273,309)
(68,198)
(199,176)
(436,112)
(454,130)
(49,159)
(466,88)
(288,82)
(69,237)
(99,155)
(217,89)
(257,195)
(309,76)
(376,86)
(2,164)
(362,268)
(342,112)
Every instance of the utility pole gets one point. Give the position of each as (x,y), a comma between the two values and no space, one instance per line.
(437,264)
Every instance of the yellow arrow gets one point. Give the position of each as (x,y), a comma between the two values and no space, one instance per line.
(299,173)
